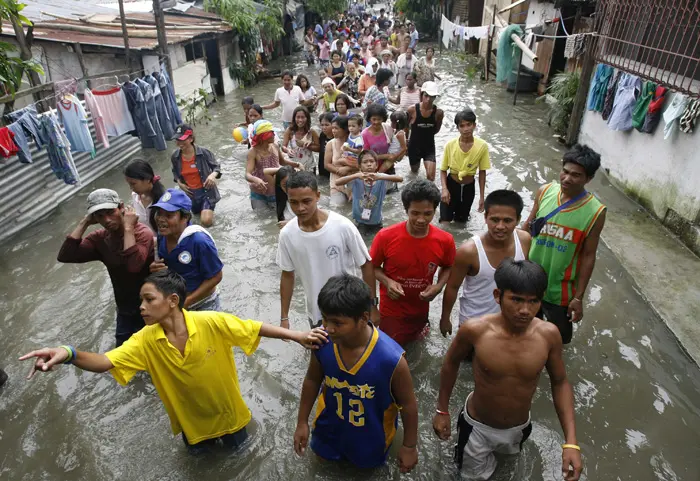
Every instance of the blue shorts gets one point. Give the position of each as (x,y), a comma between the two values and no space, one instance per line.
(322,448)
(201,201)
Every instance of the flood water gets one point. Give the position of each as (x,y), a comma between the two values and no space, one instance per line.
(637,394)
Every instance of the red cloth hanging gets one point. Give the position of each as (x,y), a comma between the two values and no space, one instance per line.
(8,148)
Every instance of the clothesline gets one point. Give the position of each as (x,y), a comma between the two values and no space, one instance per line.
(564,36)
(450,30)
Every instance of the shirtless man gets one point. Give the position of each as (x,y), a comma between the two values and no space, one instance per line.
(478,258)
(510,350)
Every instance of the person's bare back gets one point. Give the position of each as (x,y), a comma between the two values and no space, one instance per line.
(506,368)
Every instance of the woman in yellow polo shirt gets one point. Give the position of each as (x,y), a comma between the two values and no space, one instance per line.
(189,358)
(463,157)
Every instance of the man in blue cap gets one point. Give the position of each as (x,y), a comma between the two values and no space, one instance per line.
(188,250)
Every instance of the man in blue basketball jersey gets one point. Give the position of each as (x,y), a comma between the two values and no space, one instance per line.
(364,382)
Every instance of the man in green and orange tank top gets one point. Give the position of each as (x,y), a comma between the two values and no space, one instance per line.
(566,244)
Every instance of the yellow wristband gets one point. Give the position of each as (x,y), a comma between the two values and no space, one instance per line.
(571,446)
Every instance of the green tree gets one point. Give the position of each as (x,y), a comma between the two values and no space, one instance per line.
(327,9)
(425,14)
(249,24)
(14,66)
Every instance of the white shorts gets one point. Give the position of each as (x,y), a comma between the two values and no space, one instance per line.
(476,443)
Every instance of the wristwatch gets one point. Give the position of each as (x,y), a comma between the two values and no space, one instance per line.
(375,302)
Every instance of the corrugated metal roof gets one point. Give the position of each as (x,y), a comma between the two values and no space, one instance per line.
(65,8)
(48,30)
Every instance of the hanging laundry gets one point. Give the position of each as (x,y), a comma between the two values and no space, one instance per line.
(115,111)
(24,152)
(689,117)
(64,87)
(625,99)
(161,110)
(569,47)
(8,148)
(29,120)
(58,148)
(166,82)
(137,107)
(673,113)
(477,32)
(447,33)
(75,124)
(506,52)
(147,91)
(599,85)
(580,45)
(654,113)
(610,96)
(639,114)
(97,118)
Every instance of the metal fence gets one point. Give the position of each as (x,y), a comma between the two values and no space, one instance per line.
(658,40)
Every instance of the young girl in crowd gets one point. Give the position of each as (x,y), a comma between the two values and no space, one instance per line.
(409,95)
(325,120)
(368,188)
(353,146)
(308,90)
(309,46)
(399,143)
(336,70)
(368,79)
(324,51)
(146,190)
(284,211)
(376,94)
(336,164)
(264,154)
(300,141)
(343,104)
(330,92)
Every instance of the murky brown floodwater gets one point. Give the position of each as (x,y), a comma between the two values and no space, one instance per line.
(637,394)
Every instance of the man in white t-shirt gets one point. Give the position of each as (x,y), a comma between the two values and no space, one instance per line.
(289,96)
(317,245)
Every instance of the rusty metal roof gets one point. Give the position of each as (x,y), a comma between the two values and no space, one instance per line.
(177,24)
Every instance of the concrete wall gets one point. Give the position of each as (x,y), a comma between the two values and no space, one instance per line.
(662,174)
(538,12)
(228,51)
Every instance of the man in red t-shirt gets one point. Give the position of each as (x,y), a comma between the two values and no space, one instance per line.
(406,257)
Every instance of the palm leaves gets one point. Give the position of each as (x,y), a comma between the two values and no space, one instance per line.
(560,98)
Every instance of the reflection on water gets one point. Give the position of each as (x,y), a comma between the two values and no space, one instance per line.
(637,395)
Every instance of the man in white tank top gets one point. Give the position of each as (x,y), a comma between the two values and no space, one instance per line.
(478,258)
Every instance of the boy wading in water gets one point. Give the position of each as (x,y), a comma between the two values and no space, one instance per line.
(189,358)
(362,382)
(510,350)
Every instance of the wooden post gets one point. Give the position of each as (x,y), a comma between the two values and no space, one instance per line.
(25,53)
(579,106)
(125,35)
(489,44)
(162,37)
(517,77)
(81,61)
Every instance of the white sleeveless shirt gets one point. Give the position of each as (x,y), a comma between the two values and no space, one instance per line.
(476,298)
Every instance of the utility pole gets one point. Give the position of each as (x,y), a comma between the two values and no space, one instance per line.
(162,37)
(125,34)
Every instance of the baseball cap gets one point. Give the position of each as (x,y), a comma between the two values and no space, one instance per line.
(183,131)
(102,199)
(174,200)
(430,88)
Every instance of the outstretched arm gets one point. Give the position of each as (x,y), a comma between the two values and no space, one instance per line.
(45,359)
(313,339)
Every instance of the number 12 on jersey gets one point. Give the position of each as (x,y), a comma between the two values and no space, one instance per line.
(355,413)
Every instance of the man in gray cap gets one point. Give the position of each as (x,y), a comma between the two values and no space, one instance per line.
(124,246)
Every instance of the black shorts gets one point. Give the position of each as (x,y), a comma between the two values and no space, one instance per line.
(461,200)
(559,316)
(416,153)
